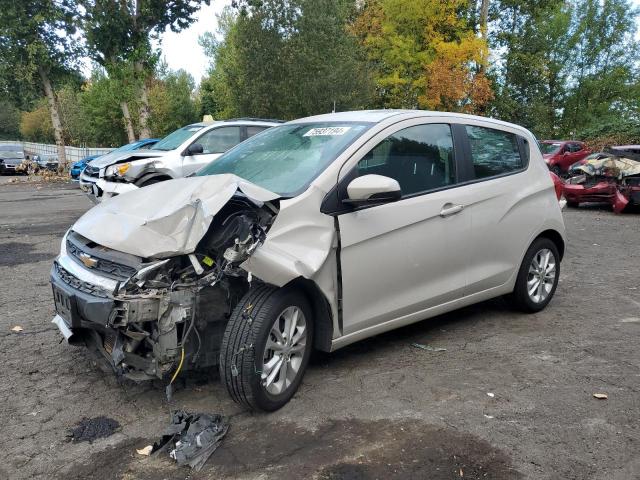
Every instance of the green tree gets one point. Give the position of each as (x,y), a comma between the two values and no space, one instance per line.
(172,103)
(285,60)
(120,36)
(38,45)
(9,121)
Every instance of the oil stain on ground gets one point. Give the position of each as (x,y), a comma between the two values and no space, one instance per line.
(336,450)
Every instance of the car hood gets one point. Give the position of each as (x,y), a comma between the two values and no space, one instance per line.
(111,158)
(165,219)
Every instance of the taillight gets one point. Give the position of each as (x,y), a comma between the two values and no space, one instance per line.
(557,184)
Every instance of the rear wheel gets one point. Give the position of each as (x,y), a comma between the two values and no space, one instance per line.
(538,277)
(266,347)
(572,204)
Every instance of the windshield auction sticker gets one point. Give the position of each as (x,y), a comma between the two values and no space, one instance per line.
(327,131)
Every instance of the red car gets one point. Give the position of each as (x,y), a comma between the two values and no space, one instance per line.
(561,154)
(611,179)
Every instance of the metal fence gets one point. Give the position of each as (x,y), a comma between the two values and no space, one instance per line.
(73,153)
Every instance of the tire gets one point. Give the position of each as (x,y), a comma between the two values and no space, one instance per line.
(243,369)
(521,299)
(572,204)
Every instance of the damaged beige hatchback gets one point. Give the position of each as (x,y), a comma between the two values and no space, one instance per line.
(313,234)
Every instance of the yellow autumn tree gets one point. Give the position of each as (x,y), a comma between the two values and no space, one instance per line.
(424,54)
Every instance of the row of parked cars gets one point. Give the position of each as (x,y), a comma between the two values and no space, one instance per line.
(246,244)
(14,160)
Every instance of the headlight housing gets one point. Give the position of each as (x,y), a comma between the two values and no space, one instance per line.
(117,170)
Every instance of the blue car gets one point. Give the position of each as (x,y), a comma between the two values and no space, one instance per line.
(78,167)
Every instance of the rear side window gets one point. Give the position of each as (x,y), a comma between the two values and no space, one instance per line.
(420,158)
(493,152)
(220,139)
(254,129)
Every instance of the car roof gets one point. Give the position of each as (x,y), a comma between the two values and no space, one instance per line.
(378,116)
(241,121)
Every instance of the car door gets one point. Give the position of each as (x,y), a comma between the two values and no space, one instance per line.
(214,143)
(502,202)
(407,256)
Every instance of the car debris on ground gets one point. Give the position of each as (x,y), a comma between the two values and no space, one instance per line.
(17,329)
(191,438)
(611,176)
(601,396)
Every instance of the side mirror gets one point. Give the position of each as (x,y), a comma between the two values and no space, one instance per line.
(372,189)
(195,149)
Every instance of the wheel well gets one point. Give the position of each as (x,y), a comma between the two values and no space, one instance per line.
(556,238)
(156,176)
(323,320)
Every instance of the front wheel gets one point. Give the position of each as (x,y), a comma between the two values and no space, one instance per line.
(538,277)
(266,347)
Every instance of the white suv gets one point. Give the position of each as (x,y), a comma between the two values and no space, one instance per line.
(313,234)
(177,155)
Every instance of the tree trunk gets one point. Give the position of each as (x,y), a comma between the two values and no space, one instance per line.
(145,132)
(55,116)
(484,16)
(128,124)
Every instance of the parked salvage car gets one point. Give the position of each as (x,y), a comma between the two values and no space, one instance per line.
(312,235)
(609,177)
(559,155)
(144,144)
(177,155)
(46,161)
(11,156)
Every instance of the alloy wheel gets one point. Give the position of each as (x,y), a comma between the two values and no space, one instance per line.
(541,276)
(284,351)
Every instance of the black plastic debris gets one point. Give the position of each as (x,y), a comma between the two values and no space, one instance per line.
(191,438)
(90,429)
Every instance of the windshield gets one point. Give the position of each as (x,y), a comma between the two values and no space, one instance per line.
(286,159)
(177,138)
(550,147)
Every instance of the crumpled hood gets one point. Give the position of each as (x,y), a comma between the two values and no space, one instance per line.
(165,219)
(111,158)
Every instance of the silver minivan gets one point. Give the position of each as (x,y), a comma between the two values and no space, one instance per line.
(179,154)
(311,235)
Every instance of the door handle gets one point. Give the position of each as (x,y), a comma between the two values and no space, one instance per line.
(449,209)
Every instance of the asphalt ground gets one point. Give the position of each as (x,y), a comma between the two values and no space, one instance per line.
(510,397)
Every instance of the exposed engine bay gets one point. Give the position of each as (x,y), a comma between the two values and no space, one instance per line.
(164,315)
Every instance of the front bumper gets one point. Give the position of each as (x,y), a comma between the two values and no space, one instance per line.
(124,332)
(99,189)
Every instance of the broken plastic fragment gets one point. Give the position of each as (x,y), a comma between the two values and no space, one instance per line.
(428,348)
(491,394)
(146,451)
(191,438)
(601,396)
(17,329)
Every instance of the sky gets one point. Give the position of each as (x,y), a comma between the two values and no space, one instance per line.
(181,50)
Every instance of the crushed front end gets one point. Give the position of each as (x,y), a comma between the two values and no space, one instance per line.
(147,317)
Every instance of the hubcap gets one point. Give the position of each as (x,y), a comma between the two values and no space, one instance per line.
(284,350)
(542,275)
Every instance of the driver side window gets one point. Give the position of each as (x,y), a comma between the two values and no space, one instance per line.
(219,140)
(420,158)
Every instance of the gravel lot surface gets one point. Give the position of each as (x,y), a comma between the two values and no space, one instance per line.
(377,409)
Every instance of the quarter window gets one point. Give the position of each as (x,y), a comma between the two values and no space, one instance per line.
(219,140)
(493,152)
(254,129)
(420,158)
